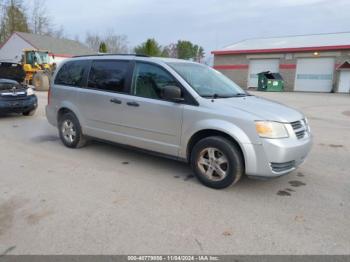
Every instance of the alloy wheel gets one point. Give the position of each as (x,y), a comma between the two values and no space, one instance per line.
(68,131)
(213,164)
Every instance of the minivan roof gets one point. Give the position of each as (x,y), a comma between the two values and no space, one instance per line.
(136,57)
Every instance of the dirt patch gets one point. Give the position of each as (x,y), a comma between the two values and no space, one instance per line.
(227,233)
(35,218)
(332,145)
(119,201)
(47,138)
(7,213)
(283,193)
(296,183)
(335,146)
(8,250)
(300,174)
(189,177)
(199,244)
(346,113)
(299,218)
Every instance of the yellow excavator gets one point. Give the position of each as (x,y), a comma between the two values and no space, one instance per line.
(38,68)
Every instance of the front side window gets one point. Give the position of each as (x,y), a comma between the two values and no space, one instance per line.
(149,80)
(108,75)
(71,74)
(206,81)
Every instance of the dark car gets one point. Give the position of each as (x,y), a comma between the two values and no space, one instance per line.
(15,97)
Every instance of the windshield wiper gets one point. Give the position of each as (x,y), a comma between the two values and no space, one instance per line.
(214,96)
(240,94)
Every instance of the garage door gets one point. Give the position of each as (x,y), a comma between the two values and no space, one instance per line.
(314,74)
(261,65)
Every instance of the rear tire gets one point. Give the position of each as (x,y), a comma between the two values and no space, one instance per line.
(41,81)
(217,162)
(70,131)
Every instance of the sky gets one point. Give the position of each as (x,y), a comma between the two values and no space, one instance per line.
(212,24)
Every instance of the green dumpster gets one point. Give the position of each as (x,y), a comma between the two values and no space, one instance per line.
(271,82)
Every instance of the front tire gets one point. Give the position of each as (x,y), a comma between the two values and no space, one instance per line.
(70,131)
(29,113)
(217,162)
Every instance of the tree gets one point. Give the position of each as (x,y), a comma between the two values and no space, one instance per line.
(170,51)
(58,33)
(198,53)
(185,50)
(14,19)
(117,44)
(103,47)
(150,48)
(40,22)
(93,41)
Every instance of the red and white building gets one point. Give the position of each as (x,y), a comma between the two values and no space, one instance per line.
(312,63)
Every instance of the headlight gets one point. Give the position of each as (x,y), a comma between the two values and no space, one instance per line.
(269,129)
(307,125)
(30,91)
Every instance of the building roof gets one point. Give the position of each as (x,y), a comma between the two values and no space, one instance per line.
(298,43)
(59,47)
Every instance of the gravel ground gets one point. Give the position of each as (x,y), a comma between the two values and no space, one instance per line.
(103,199)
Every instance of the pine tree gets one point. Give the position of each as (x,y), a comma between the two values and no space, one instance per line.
(13,19)
(103,48)
(150,48)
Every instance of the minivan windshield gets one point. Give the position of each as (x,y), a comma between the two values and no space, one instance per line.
(206,81)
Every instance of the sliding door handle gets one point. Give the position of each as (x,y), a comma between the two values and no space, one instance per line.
(135,104)
(116,101)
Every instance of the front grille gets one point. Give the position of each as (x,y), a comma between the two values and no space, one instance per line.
(296,125)
(15,98)
(299,128)
(300,134)
(281,167)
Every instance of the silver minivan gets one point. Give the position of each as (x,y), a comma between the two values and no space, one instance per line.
(178,109)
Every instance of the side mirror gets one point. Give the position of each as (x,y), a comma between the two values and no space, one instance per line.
(172,93)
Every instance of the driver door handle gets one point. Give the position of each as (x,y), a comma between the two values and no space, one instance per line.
(135,104)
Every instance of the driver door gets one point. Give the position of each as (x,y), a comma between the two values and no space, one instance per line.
(152,122)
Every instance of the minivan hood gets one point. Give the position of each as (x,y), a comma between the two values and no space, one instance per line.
(263,109)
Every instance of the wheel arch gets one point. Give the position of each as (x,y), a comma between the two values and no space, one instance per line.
(62,111)
(204,133)
(67,107)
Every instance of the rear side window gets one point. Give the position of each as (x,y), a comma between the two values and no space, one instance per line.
(108,75)
(71,73)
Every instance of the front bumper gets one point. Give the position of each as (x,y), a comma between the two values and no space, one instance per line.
(18,104)
(276,157)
